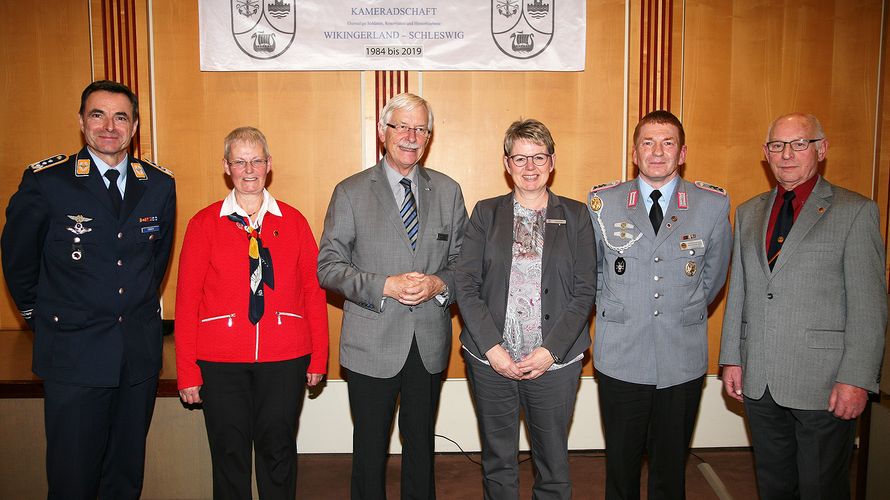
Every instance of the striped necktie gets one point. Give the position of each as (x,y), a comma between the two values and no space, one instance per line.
(408,212)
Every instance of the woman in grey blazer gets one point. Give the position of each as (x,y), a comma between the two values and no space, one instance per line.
(526,283)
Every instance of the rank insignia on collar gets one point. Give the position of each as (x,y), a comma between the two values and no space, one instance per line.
(78,224)
(83,168)
(632,199)
(682,201)
(139,171)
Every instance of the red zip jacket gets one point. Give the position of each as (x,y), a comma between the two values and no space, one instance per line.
(213,291)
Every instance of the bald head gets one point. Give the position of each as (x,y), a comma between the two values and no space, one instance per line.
(795,144)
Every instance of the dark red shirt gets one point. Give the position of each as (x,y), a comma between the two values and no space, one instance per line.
(801,193)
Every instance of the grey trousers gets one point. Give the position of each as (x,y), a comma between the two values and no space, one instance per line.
(548,403)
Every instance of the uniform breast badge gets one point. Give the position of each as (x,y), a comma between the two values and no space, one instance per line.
(620,266)
(690,268)
(78,224)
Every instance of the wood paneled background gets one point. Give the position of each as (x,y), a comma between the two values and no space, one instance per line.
(727,67)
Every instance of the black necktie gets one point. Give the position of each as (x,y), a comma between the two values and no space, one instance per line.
(655,214)
(113,191)
(780,231)
(408,212)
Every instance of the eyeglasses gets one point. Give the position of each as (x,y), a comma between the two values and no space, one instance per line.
(796,145)
(255,163)
(404,129)
(539,159)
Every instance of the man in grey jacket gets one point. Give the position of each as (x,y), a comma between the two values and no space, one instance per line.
(392,234)
(803,331)
(663,245)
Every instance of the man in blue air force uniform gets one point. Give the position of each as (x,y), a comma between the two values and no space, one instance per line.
(85,247)
(663,246)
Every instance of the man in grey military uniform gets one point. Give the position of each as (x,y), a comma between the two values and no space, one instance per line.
(663,246)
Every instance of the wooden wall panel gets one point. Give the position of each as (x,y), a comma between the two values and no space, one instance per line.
(45,55)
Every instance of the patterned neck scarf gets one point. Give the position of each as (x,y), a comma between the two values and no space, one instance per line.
(260,267)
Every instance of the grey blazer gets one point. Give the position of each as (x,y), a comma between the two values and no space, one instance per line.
(819,317)
(568,277)
(652,302)
(364,242)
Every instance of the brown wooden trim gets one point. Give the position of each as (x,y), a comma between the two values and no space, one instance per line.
(386,85)
(656,55)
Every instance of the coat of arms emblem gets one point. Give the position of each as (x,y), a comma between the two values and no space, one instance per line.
(522,28)
(264,29)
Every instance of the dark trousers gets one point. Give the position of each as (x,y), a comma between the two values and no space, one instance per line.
(548,403)
(372,402)
(639,417)
(799,453)
(253,405)
(95,438)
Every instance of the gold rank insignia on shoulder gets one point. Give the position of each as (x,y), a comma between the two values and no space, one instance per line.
(160,168)
(139,171)
(607,185)
(49,162)
(710,187)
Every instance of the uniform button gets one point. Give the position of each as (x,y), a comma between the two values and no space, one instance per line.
(77,239)
(120,319)
(55,319)
(547,316)
(119,262)
(656,313)
(120,291)
(769,296)
(701,316)
(411,309)
(657,259)
(656,278)
(151,237)
(546,291)
(657,295)
(692,252)
(120,236)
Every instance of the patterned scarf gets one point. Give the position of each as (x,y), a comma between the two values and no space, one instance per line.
(260,267)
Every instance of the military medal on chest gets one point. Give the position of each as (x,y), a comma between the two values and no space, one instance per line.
(596,205)
(78,229)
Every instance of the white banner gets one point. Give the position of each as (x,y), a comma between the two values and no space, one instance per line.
(502,35)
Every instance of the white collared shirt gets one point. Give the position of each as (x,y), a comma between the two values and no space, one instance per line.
(230,206)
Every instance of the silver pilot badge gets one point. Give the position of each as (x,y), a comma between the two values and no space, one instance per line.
(78,224)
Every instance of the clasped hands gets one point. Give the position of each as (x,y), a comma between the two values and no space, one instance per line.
(531,367)
(413,288)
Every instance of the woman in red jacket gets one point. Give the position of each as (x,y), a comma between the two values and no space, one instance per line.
(251,324)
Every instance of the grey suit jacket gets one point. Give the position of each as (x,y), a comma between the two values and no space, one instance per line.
(819,316)
(653,296)
(568,276)
(364,242)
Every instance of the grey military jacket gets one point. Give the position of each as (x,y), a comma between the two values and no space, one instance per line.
(653,291)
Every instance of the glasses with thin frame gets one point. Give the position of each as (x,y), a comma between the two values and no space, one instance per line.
(796,145)
(404,129)
(255,163)
(539,159)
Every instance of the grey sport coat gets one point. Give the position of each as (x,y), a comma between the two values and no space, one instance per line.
(819,317)
(364,242)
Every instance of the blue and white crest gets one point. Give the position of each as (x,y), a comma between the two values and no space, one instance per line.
(522,28)
(264,29)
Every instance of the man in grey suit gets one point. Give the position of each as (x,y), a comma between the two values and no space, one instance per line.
(392,234)
(663,245)
(805,317)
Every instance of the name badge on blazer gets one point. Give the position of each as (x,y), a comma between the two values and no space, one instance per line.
(441,236)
